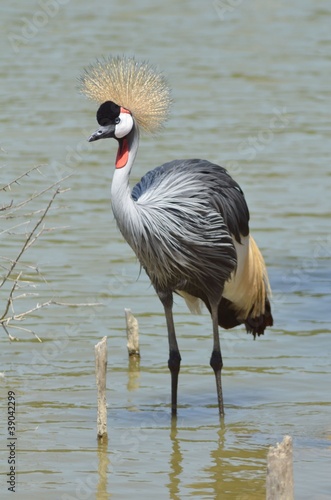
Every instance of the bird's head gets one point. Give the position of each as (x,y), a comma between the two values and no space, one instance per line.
(132,85)
(115,121)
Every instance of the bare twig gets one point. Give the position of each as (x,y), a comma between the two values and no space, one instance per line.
(10,298)
(9,230)
(6,207)
(9,336)
(68,304)
(6,320)
(29,238)
(15,181)
(22,316)
(43,191)
(15,272)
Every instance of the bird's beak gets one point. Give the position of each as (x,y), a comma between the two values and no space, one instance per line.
(103,132)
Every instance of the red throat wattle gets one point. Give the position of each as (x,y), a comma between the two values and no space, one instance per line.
(122,154)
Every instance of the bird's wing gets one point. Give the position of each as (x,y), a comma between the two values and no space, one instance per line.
(203,181)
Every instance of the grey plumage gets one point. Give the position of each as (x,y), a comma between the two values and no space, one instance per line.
(186,220)
(189,209)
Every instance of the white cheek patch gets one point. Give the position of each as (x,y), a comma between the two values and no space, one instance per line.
(124,126)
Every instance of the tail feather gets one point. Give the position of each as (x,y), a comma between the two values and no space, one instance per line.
(246,297)
(248,293)
(256,325)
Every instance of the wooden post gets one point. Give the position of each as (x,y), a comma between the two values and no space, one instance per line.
(132,332)
(280,471)
(101,377)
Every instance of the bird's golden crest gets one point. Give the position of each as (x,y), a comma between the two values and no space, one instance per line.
(134,85)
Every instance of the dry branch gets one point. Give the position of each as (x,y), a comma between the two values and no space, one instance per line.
(15,276)
(39,193)
(29,238)
(16,181)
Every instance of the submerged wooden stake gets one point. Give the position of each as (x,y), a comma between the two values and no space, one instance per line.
(101,376)
(132,332)
(280,471)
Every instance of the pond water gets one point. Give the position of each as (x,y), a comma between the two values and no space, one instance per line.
(251,87)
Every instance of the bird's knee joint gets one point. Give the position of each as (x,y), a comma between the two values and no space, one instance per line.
(216,361)
(166,298)
(174,361)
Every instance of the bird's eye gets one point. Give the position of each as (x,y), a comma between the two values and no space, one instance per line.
(117,120)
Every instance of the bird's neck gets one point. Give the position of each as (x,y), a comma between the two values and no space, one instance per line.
(122,203)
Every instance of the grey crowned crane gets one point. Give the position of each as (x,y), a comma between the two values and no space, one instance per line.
(186,220)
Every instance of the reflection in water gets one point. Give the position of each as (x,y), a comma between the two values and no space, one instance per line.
(103,461)
(176,460)
(228,470)
(133,373)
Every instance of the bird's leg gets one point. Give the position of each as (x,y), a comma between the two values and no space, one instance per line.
(216,361)
(174,355)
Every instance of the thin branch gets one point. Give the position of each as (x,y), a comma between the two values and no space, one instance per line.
(29,269)
(25,295)
(9,336)
(22,316)
(9,230)
(18,285)
(27,241)
(43,191)
(5,207)
(68,304)
(33,213)
(15,181)
(31,242)
(10,298)
(23,329)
